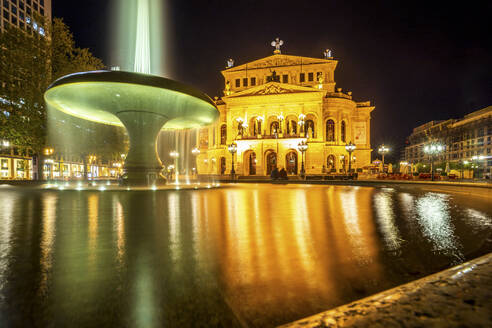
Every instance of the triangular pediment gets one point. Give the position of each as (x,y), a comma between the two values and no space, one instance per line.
(273,88)
(279,61)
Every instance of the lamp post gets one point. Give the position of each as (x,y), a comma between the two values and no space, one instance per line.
(383,150)
(195,151)
(476,159)
(432,150)
(350,147)
(280,120)
(175,155)
(232,149)
(302,117)
(48,151)
(302,146)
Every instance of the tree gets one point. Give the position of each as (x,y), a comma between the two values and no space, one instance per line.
(29,62)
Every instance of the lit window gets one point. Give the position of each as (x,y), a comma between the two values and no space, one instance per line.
(28,20)
(41,31)
(35,26)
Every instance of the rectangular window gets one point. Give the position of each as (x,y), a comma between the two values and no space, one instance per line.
(245,82)
(14,10)
(285,78)
(310,77)
(6,15)
(6,5)
(238,83)
(14,20)
(302,78)
(253,81)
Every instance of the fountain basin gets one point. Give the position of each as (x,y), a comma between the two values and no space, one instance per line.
(143,104)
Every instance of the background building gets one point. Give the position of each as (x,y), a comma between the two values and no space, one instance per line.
(271,105)
(466,141)
(22,13)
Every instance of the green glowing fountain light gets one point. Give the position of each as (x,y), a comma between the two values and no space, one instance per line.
(144,104)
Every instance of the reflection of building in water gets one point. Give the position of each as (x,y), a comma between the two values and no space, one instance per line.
(272,104)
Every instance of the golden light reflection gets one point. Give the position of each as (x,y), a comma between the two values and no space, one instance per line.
(93,207)
(383,201)
(47,238)
(119,227)
(434,218)
(6,222)
(174,226)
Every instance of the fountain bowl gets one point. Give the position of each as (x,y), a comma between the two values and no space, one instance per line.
(144,104)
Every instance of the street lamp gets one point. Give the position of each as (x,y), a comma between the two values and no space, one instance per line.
(350,147)
(383,150)
(302,146)
(280,119)
(175,155)
(477,165)
(301,122)
(195,151)
(432,150)
(232,149)
(92,160)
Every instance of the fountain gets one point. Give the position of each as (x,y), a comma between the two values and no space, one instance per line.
(143,103)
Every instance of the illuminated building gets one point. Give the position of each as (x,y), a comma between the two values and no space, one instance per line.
(464,140)
(21,13)
(273,104)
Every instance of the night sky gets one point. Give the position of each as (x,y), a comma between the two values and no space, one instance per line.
(417,61)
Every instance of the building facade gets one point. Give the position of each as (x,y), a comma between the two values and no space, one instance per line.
(465,141)
(23,13)
(271,105)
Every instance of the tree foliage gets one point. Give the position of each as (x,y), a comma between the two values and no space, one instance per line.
(29,63)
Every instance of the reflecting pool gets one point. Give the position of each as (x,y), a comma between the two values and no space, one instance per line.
(241,255)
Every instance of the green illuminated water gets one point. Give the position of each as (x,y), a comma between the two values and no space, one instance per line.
(141,37)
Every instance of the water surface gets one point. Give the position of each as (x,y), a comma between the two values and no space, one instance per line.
(244,255)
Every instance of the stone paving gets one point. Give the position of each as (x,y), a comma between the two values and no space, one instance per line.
(457,297)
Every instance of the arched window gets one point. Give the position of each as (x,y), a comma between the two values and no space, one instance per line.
(342,132)
(274,128)
(330,130)
(309,128)
(223,134)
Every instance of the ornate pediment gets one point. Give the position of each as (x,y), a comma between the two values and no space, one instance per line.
(273,88)
(279,61)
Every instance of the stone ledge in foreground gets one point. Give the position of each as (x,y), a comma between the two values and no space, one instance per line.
(457,297)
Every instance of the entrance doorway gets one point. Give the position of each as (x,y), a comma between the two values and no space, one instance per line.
(330,164)
(291,163)
(222,165)
(271,162)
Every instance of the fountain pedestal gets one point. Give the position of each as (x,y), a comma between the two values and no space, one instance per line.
(142,164)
